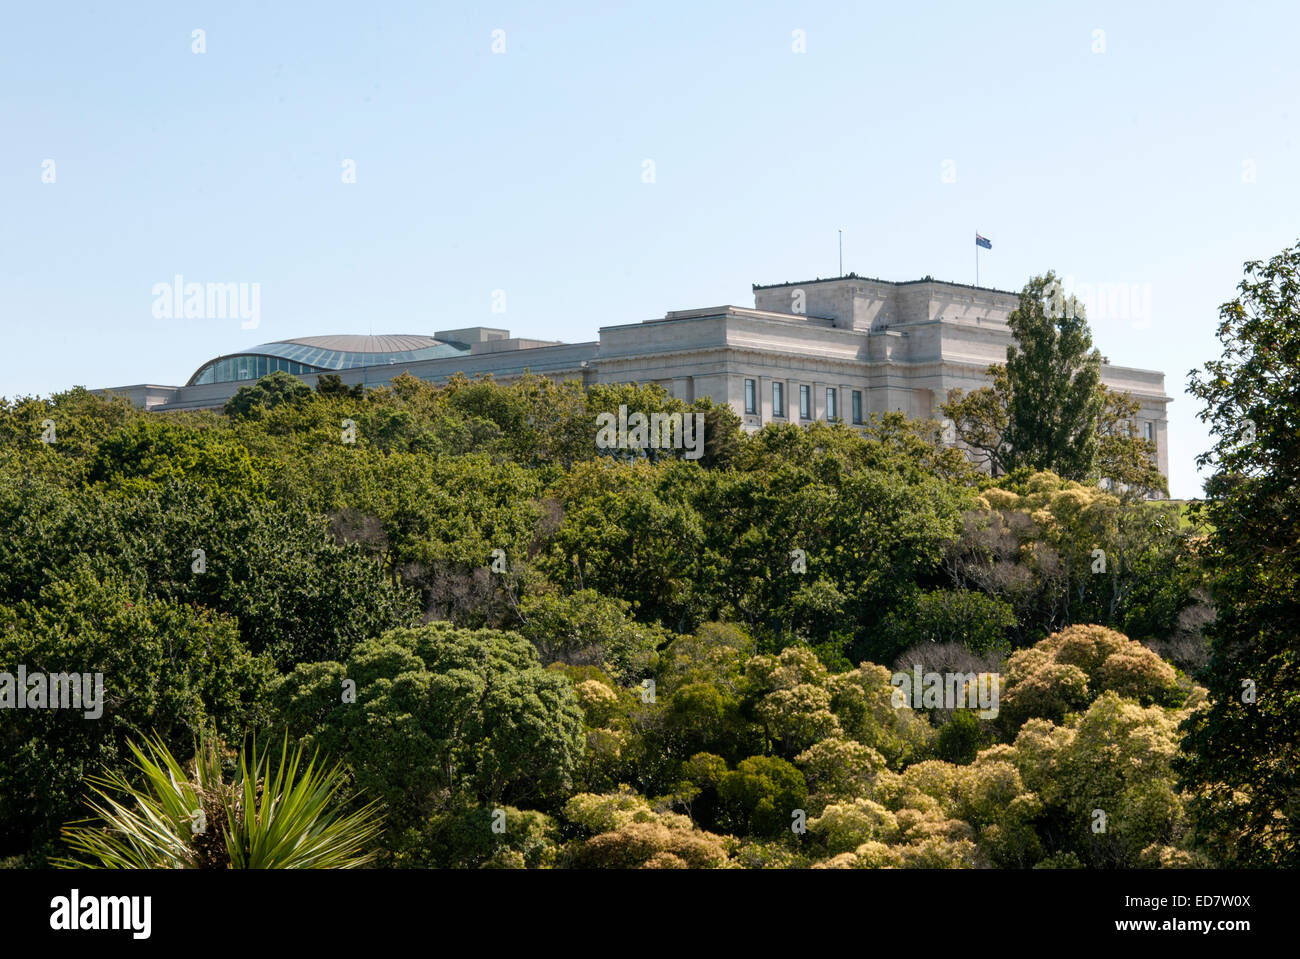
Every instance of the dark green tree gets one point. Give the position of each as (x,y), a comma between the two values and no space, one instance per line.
(434,717)
(723,434)
(331,384)
(1242,754)
(1053,372)
(267,393)
(761,795)
(168,669)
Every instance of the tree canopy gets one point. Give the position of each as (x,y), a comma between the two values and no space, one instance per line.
(1047,409)
(520,649)
(1243,761)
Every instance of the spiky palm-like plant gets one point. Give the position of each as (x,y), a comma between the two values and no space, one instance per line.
(269,817)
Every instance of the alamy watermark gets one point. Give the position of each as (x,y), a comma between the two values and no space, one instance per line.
(678,431)
(1104,301)
(946,691)
(75,912)
(84,691)
(179,300)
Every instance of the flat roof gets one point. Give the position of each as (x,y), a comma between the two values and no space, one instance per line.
(873,279)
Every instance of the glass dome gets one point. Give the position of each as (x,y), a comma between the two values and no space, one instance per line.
(321,354)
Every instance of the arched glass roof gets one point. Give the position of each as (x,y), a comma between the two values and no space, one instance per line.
(321,354)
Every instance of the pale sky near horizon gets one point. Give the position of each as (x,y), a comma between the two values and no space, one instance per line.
(1148,147)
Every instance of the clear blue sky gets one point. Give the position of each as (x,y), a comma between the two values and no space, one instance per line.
(523,171)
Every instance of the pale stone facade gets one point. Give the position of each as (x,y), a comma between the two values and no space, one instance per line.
(847,347)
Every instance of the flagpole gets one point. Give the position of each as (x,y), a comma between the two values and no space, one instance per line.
(977,258)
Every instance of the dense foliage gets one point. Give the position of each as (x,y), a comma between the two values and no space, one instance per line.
(1046,408)
(528,651)
(1244,755)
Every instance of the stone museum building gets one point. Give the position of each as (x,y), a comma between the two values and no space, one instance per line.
(841,348)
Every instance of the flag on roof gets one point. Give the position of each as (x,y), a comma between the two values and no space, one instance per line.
(981,241)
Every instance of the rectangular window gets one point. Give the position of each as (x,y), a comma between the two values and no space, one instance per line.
(778,399)
(1151,431)
(805,402)
(831,411)
(857,406)
(750,405)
